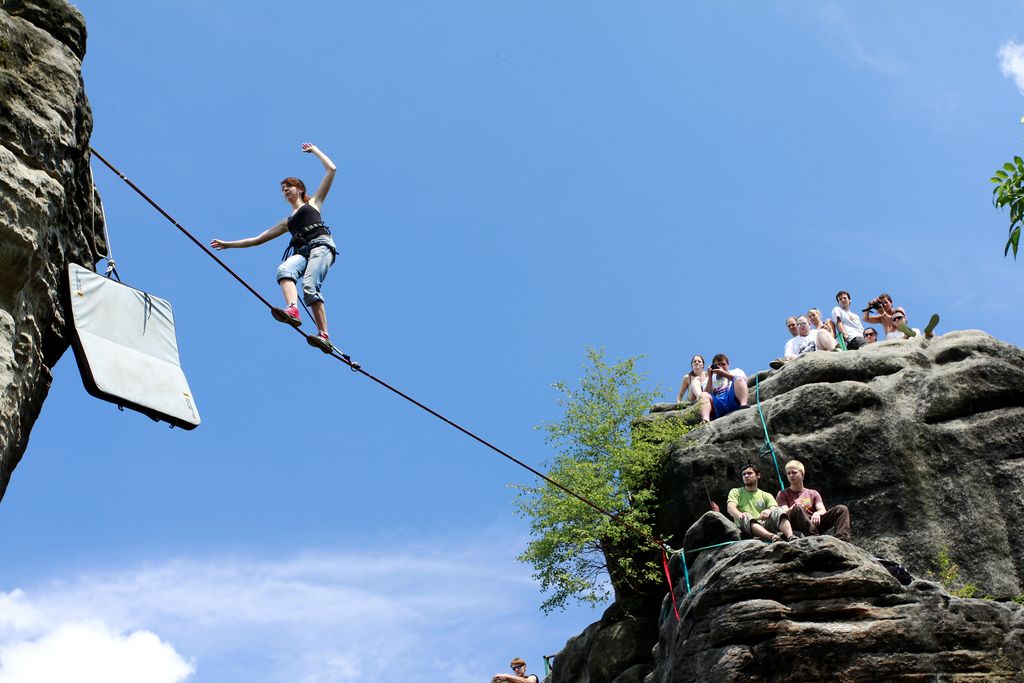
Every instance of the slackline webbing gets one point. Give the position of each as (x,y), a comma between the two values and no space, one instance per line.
(356,367)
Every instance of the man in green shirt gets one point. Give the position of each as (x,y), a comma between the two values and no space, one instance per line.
(755,511)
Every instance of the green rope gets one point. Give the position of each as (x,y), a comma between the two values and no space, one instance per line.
(682,556)
(764,426)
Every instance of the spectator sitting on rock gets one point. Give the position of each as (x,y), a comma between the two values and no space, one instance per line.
(755,511)
(814,316)
(806,510)
(725,392)
(693,381)
(808,340)
(790,348)
(899,318)
(847,322)
(870,335)
(883,312)
(520,675)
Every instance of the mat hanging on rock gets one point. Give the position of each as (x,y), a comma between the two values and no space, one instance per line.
(126,348)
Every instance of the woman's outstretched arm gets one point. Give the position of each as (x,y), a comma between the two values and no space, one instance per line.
(325,185)
(265,236)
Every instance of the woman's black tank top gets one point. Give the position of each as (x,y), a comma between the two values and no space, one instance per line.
(305,225)
(304,217)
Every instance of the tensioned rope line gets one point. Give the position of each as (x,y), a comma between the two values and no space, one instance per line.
(185,232)
(764,426)
(356,367)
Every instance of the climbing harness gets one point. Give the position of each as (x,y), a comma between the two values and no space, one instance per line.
(356,367)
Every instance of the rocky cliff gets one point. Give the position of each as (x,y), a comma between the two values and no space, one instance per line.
(46,197)
(924,442)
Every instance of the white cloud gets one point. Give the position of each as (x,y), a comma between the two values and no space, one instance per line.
(315,618)
(92,653)
(1011,61)
(847,37)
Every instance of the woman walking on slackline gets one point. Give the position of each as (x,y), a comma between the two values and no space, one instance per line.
(309,255)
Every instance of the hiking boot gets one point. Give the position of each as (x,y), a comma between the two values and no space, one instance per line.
(321,341)
(288,315)
(777,363)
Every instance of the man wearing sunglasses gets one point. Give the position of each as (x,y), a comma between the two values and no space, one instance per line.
(903,329)
(518,674)
(806,341)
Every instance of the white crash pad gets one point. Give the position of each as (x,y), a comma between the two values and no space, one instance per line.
(126,348)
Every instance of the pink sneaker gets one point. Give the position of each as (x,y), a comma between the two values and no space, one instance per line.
(288,315)
(320,341)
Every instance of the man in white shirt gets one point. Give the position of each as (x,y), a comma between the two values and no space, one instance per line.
(807,340)
(848,323)
(726,390)
(790,348)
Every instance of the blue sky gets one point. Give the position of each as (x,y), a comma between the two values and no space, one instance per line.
(516,181)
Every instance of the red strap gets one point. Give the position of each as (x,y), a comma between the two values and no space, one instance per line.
(668,578)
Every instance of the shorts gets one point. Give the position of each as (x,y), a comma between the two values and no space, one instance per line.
(310,272)
(725,402)
(771,524)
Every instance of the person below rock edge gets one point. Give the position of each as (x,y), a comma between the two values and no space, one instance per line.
(755,512)
(726,390)
(520,676)
(806,510)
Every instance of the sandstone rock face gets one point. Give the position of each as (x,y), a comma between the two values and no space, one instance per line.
(46,199)
(616,648)
(819,609)
(924,441)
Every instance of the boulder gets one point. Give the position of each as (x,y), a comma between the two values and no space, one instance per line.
(821,609)
(615,649)
(49,214)
(711,528)
(923,440)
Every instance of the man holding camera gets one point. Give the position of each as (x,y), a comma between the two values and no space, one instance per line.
(883,313)
(726,390)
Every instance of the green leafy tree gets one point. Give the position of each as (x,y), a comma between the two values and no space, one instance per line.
(577,552)
(1009,193)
